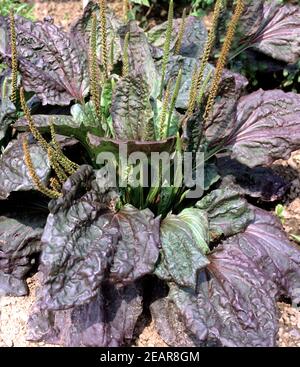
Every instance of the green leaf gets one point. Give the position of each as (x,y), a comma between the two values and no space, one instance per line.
(228,213)
(141,2)
(184,241)
(131,110)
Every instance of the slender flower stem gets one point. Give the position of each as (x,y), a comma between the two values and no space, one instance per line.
(181,33)
(103,28)
(167,46)
(14,57)
(223,59)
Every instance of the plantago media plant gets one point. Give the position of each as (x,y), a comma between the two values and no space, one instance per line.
(133,171)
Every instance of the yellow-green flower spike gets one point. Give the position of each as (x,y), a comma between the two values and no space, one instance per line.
(125,71)
(125,10)
(164,111)
(57,168)
(223,59)
(34,131)
(14,57)
(193,92)
(53,194)
(167,45)
(54,184)
(103,29)
(93,67)
(181,33)
(206,53)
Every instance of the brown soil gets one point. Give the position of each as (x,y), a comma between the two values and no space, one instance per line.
(64,12)
(14,311)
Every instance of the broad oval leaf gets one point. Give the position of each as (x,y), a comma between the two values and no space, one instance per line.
(279,33)
(138,247)
(131,110)
(85,243)
(14,174)
(20,237)
(108,320)
(140,58)
(184,241)
(52,62)
(228,213)
(234,305)
(266,243)
(235,300)
(267,128)
(194,37)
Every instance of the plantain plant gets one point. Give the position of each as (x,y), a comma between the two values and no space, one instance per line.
(210,267)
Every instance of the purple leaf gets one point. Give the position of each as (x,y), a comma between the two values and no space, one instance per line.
(267,128)
(234,305)
(266,243)
(14,175)
(235,301)
(19,244)
(108,320)
(279,34)
(86,243)
(51,61)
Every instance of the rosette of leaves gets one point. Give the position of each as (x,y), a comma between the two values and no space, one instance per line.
(218,265)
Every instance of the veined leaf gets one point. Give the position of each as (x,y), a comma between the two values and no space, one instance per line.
(14,174)
(108,320)
(131,110)
(228,213)
(235,300)
(51,61)
(19,243)
(267,127)
(85,243)
(194,39)
(184,241)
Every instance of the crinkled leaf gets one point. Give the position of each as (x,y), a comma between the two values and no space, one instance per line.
(258,182)
(137,252)
(86,243)
(131,110)
(235,300)
(279,33)
(266,243)
(108,320)
(14,174)
(252,17)
(193,40)
(82,27)
(184,241)
(225,108)
(228,213)
(52,62)
(234,304)
(19,244)
(140,57)
(267,127)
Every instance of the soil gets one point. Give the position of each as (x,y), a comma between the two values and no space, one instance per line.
(14,311)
